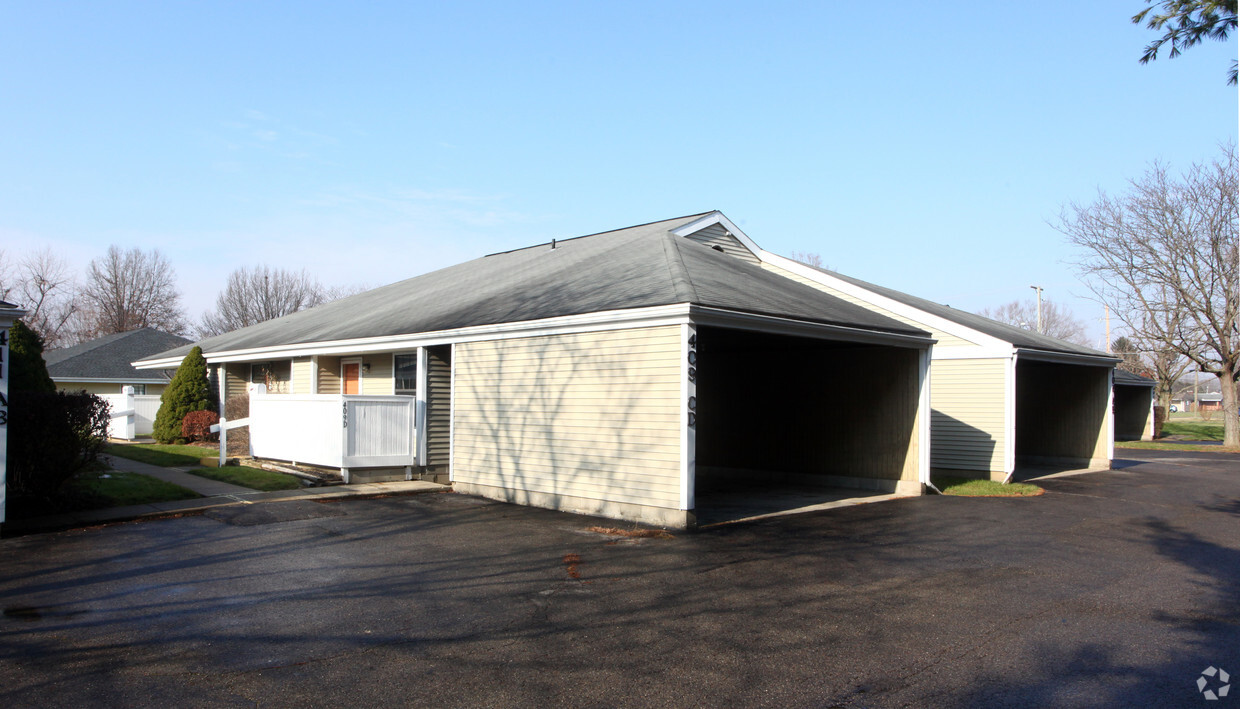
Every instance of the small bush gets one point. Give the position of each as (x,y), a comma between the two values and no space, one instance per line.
(52,436)
(188,391)
(196,426)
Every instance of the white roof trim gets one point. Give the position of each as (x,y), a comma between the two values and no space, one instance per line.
(1066,358)
(800,328)
(588,322)
(713,218)
(111,380)
(9,315)
(918,315)
(675,314)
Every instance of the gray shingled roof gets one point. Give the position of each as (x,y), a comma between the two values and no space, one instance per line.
(1125,377)
(636,267)
(109,357)
(1019,337)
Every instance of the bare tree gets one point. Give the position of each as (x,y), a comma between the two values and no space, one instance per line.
(1163,256)
(807,258)
(1129,356)
(42,284)
(261,293)
(1056,321)
(1152,359)
(127,290)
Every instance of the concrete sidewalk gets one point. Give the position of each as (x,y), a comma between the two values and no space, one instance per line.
(177,476)
(215,494)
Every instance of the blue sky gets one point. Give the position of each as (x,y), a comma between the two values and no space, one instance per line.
(923,148)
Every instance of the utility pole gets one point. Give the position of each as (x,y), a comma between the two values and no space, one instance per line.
(1108,316)
(1039,290)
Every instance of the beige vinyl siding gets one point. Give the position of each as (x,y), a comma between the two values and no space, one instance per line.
(236,379)
(968,418)
(591,415)
(716,235)
(378,381)
(329,375)
(944,339)
(438,404)
(303,376)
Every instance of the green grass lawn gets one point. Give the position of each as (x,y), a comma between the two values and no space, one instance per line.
(253,478)
(97,489)
(171,456)
(1196,430)
(1176,446)
(167,456)
(969,487)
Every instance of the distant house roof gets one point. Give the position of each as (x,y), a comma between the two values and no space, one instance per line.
(109,357)
(636,267)
(1124,377)
(1019,337)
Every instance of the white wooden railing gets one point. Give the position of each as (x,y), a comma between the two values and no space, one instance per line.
(339,431)
(132,415)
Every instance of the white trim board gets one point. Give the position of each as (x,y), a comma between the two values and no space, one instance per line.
(676,314)
(912,313)
(716,217)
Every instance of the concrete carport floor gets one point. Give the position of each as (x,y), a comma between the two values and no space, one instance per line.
(788,422)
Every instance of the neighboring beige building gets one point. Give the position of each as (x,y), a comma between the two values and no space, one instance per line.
(634,374)
(104,365)
(1001,396)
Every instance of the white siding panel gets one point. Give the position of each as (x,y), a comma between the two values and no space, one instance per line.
(591,415)
(944,339)
(717,235)
(968,425)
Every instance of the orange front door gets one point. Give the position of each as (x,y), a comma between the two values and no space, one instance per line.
(351,377)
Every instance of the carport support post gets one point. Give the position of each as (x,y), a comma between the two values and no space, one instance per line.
(221,375)
(923,418)
(1009,415)
(688,422)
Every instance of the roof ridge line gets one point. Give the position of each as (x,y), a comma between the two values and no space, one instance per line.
(681,280)
(597,233)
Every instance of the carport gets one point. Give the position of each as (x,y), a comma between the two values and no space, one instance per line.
(785,422)
(1133,407)
(1063,412)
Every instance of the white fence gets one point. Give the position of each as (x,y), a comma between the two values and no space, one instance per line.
(132,415)
(334,430)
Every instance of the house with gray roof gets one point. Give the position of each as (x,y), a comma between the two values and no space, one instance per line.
(632,373)
(104,365)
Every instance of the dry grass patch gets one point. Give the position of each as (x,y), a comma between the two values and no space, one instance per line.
(632,533)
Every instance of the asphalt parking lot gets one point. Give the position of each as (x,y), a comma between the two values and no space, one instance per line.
(1113,589)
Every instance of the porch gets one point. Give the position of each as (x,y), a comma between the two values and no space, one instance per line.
(350,432)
